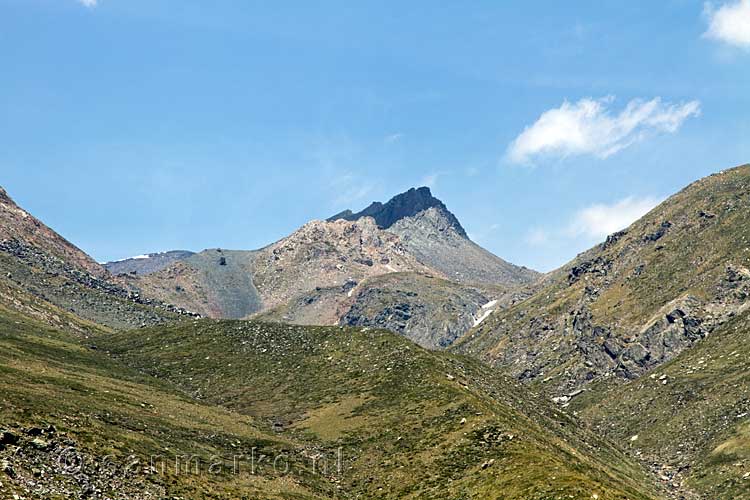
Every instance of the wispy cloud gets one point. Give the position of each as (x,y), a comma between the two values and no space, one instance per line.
(393,138)
(601,219)
(431,179)
(730,23)
(89,3)
(537,237)
(590,224)
(348,188)
(587,127)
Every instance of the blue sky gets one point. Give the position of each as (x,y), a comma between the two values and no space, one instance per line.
(134,126)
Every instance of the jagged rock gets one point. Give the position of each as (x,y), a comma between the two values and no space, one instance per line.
(41,444)
(659,233)
(403,205)
(7,437)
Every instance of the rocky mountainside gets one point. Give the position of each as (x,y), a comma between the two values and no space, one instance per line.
(638,299)
(645,337)
(19,225)
(146,264)
(430,310)
(431,233)
(322,273)
(235,284)
(215,283)
(38,267)
(688,419)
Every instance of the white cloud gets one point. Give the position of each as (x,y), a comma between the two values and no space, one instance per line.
(588,128)
(730,23)
(89,3)
(537,237)
(600,220)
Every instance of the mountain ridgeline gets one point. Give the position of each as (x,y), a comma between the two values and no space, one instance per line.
(407,204)
(328,272)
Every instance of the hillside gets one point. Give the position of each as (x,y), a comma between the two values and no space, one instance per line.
(37,262)
(213,283)
(690,416)
(18,225)
(635,301)
(410,423)
(75,424)
(146,264)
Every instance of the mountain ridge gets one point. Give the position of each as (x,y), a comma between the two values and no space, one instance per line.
(321,271)
(406,204)
(637,299)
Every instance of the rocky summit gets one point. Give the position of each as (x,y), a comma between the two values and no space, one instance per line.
(407,204)
(326,273)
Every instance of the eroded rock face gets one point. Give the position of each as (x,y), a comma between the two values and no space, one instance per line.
(430,311)
(324,254)
(599,349)
(677,327)
(434,240)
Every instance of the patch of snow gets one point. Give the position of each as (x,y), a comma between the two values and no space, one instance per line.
(390,268)
(137,257)
(485,314)
(489,304)
(351,292)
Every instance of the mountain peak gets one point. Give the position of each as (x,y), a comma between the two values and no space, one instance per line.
(406,204)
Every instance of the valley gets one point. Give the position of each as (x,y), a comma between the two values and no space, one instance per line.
(378,364)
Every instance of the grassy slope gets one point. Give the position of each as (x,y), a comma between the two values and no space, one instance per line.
(690,415)
(102,408)
(392,408)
